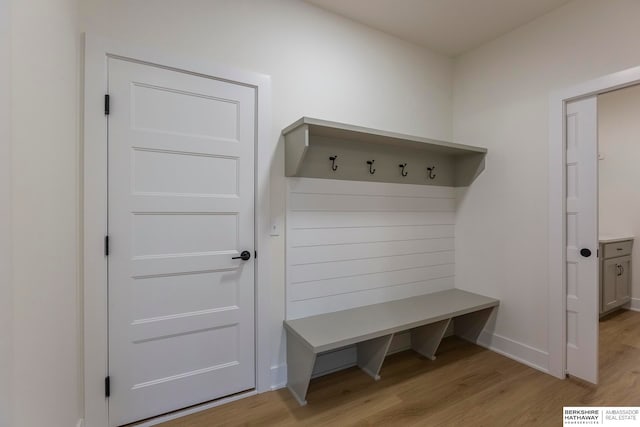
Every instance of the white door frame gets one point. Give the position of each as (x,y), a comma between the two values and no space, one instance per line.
(96,52)
(6,292)
(557,209)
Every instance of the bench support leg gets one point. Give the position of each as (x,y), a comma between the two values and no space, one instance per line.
(371,354)
(426,339)
(300,361)
(469,326)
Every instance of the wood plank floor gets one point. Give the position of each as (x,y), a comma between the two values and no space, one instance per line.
(465,386)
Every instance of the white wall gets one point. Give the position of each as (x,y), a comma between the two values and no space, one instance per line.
(501,98)
(44,107)
(321,65)
(6,296)
(619,174)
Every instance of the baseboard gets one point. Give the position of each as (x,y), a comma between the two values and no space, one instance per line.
(523,353)
(635,304)
(278,376)
(194,409)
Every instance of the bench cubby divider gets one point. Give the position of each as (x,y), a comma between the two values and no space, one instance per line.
(426,339)
(371,354)
(469,326)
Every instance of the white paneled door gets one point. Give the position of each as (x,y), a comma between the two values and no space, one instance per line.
(181,212)
(582,239)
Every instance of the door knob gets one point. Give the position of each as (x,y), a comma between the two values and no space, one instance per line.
(585,252)
(245,256)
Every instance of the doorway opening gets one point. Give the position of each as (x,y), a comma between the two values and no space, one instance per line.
(619,198)
(619,222)
(574,293)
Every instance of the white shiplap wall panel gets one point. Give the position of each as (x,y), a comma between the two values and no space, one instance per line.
(320,254)
(359,203)
(345,285)
(355,243)
(361,267)
(324,219)
(332,303)
(343,235)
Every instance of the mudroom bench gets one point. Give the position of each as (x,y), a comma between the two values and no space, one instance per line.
(372,327)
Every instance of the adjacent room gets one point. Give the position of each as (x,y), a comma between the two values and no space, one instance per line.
(619,224)
(319,212)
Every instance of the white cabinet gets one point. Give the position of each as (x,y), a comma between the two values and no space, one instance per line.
(615,274)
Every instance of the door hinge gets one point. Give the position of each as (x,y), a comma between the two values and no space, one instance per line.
(107,104)
(107,386)
(106,245)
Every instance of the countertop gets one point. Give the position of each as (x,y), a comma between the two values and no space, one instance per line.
(615,238)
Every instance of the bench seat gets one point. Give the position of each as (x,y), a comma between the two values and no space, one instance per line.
(372,327)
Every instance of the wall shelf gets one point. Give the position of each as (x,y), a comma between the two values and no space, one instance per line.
(311,145)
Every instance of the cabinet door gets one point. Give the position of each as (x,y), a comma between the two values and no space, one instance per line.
(609,283)
(623,280)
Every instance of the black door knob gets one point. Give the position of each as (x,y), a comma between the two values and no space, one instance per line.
(585,252)
(245,256)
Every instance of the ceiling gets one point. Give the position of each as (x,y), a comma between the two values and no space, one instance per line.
(447,26)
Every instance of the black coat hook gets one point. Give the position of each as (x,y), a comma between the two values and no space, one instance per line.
(371,169)
(334,167)
(431,174)
(402,167)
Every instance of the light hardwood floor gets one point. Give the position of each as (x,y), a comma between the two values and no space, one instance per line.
(465,386)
